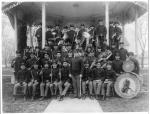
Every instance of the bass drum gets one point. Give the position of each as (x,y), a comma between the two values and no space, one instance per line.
(128,66)
(127,85)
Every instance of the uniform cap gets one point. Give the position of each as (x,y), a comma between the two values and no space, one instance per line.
(71,25)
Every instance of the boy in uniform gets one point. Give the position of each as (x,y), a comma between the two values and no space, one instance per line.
(109,80)
(65,80)
(55,76)
(100,33)
(45,80)
(31,61)
(35,79)
(117,64)
(86,73)
(16,63)
(22,78)
(98,78)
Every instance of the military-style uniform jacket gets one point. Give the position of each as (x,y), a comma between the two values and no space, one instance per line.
(55,74)
(49,35)
(35,73)
(65,71)
(16,63)
(30,62)
(117,66)
(71,35)
(100,30)
(98,74)
(86,74)
(110,75)
(23,76)
(123,53)
(46,74)
(45,60)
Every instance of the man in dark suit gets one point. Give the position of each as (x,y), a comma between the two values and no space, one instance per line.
(100,33)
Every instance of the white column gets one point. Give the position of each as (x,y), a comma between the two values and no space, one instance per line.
(43,24)
(16,32)
(136,34)
(107,20)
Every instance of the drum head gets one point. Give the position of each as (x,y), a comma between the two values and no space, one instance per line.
(128,66)
(127,85)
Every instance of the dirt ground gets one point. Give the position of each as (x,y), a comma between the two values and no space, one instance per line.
(19,105)
(114,104)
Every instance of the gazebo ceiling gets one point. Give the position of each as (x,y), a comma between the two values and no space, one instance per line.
(30,12)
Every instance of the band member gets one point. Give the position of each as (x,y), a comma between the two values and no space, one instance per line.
(56,34)
(48,50)
(109,80)
(80,33)
(135,61)
(49,35)
(90,55)
(80,38)
(117,35)
(71,35)
(98,78)
(117,64)
(92,34)
(69,57)
(35,74)
(76,73)
(100,33)
(46,59)
(86,73)
(58,58)
(38,34)
(37,52)
(16,63)
(45,81)
(114,50)
(26,52)
(65,80)
(22,78)
(55,76)
(30,61)
(123,52)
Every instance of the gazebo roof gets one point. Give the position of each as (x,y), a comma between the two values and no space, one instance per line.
(30,12)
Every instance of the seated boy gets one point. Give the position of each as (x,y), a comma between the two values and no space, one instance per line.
(109,80)
(55,72)
(85,74)
(65,80)
(45,83)
(22,78)
(35,79)
(98,78)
